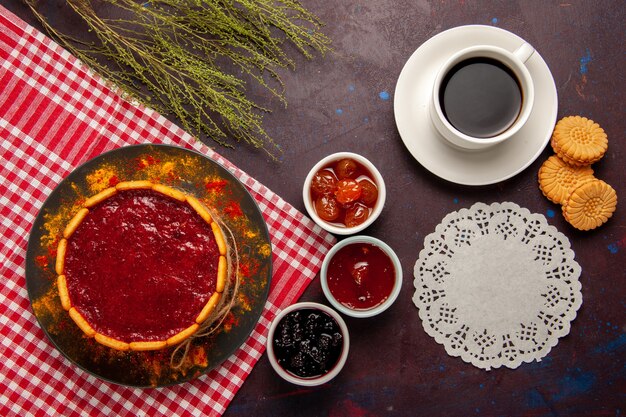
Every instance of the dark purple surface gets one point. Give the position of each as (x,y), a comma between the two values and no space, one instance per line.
(344,102)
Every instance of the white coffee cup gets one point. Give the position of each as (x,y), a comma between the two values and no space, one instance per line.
(515,62)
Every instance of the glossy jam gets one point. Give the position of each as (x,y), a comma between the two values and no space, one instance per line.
(344,193)
(307,343)
(360,276)
(141,266)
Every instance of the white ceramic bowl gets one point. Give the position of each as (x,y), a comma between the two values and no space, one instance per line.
(395,291)
(308,382)
(376,210)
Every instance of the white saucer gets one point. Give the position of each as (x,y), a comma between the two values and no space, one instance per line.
(413,92)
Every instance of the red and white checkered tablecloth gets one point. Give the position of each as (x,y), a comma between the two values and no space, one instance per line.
(55,115)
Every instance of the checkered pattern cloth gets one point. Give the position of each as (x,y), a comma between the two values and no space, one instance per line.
(55,115)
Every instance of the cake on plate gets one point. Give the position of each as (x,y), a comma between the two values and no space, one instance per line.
(141,266)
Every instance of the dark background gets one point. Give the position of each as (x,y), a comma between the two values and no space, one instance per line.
(344,102)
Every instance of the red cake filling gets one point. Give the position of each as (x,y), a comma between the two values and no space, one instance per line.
(141,266)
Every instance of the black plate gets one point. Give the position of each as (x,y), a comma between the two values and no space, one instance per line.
(198,176)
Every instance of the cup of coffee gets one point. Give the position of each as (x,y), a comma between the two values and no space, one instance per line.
(482,96)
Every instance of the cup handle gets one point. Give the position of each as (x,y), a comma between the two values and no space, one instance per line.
(524,52)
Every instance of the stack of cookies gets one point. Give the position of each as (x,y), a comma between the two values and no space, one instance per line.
(567,177)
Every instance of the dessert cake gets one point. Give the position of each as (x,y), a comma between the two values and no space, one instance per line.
(141,266)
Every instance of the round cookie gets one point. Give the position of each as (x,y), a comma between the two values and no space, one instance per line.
(579,141)
(590,204)
(557,178)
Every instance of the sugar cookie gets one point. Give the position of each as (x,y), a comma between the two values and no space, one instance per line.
(590,204)
(579,141)
(557,178)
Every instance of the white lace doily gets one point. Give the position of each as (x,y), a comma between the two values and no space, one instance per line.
(497,285)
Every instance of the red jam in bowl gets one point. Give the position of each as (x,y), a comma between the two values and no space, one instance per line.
(307,343)
(361,276)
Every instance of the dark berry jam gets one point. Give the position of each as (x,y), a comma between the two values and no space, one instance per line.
(307,343)
(361,276)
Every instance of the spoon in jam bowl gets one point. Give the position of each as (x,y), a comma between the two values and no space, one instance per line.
(361,276)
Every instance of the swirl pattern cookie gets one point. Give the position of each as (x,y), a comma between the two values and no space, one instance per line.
(579,141)
(557,178)
(590,204)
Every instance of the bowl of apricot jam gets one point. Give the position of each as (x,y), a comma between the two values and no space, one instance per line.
(361,276)
(308,344)
(344,193)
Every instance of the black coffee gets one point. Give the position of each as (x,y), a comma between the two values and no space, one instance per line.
(481,97)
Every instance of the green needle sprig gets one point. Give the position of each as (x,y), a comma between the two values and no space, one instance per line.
(191,58)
